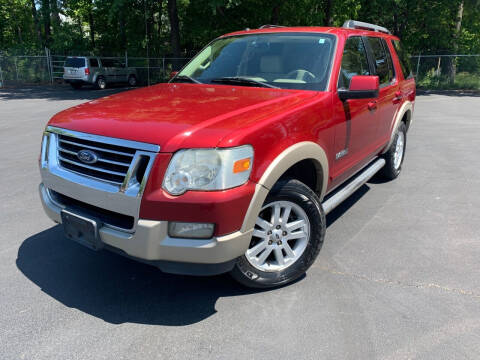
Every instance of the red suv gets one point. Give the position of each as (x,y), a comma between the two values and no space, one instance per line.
(233,164)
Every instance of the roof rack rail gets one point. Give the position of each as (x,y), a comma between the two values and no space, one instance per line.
(353,24)
(270,26)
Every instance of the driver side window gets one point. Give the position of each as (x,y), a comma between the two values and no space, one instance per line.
(354,61)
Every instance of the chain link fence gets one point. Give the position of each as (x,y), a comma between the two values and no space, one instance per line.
(431,71)
(24,70)
(445,72)
(48,69)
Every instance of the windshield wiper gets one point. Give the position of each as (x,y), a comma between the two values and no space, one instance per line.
(242,80)
(187,78)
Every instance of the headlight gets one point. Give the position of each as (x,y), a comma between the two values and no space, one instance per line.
(208,169)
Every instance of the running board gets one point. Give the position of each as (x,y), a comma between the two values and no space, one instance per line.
(359,179)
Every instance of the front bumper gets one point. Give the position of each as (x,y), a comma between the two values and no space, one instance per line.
(150,243)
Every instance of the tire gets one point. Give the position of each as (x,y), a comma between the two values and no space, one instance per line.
(76,86)
(395,154)
(304,249)
(100,83)
(132,80)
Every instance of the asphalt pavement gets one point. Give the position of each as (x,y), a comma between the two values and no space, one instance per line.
(398,276)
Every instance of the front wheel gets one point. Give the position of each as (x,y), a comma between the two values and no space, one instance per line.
(287,237)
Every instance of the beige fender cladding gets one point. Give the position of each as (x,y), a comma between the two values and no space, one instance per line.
(407,106)
(289,157)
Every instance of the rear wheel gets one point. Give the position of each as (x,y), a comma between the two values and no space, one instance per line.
(132,80)
(287,237)
(76,86)
(395,154)
(101,83)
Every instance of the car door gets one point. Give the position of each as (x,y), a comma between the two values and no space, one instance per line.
(120,71)
(389,96)
(109,70)
(356,128)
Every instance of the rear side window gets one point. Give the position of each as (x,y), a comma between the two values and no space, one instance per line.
(117,63)
(382,60)
(93,62)
(107,62)
(354,61)
(404,59)
(75,62)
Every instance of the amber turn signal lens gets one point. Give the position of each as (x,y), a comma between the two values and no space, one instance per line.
(241,165)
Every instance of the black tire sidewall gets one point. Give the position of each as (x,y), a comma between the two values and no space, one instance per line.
(97,83)
(300,194)
(389,170)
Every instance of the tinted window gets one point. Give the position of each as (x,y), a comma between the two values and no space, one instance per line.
(117,63)
(93,62)
(354,61)
(107,62)
(404,59)
(75,62)
(382,60)
(285,60)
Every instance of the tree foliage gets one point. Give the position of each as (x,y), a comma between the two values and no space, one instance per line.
(182,27)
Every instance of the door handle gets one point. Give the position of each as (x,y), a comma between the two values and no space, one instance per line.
(398,97)
(372,105)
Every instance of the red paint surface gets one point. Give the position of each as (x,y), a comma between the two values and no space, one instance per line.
(364,82)
(177,116)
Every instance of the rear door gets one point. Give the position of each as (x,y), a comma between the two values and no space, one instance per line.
(120,71)
(356,123)
(108,69)
(389,96)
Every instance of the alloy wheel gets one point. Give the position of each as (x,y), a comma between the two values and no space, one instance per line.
(398,154)
(280,236)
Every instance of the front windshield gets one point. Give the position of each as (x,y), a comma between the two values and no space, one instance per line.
(283,60)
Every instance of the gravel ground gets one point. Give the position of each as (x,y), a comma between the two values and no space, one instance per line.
(398,276)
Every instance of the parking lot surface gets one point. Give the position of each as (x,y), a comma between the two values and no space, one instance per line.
(398,276)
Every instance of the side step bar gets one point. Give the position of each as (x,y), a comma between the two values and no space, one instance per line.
(359,179)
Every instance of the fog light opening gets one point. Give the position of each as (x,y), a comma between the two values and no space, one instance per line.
(187,230)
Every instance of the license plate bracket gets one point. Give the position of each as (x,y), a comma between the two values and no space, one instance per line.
(81,229)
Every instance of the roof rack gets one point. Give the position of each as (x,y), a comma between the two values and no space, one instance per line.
(270,26)
(353,24)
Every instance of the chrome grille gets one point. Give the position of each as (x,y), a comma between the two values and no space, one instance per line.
(112,163)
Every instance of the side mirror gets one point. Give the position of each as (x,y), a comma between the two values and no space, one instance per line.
(361,87)
(173,74)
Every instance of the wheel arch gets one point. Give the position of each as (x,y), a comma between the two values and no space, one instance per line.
(305,153)
(404,114)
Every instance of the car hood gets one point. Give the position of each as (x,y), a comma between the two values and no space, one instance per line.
(178,115)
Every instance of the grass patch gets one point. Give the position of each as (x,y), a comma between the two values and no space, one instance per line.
(463,81)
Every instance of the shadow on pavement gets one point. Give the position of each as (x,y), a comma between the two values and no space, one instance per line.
(58,92)
(116,289)
(341,209)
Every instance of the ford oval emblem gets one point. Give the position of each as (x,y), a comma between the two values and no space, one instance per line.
(87,156)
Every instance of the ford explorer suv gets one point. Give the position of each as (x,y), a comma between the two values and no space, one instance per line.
(99,72)
(233,164)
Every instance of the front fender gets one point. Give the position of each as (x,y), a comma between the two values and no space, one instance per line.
(285,160)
